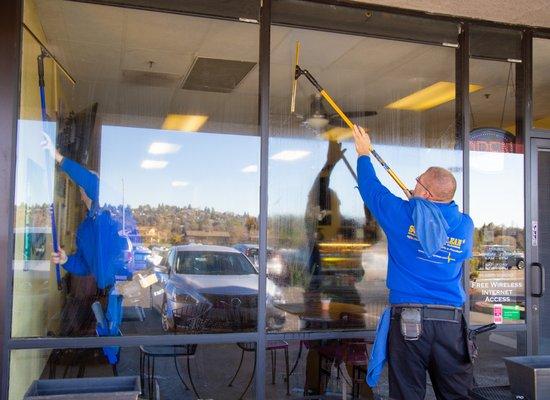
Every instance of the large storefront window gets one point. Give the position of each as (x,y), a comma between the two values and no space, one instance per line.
(326,250)
(162,372)
(155,187)
(326,368)
(497,270)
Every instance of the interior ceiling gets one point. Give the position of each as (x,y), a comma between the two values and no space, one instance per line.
(102,45)
(522,12)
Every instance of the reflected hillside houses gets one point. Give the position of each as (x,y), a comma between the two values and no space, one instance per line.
(179,225)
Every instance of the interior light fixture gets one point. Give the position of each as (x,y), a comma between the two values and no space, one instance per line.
(429,97)
(317,121)
(290,155)
(153,164)
(184,123)
(163,148)
(318,115)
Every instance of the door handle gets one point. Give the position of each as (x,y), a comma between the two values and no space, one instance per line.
(537,279)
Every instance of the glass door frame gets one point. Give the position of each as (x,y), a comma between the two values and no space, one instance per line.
(538,140)
(523,89)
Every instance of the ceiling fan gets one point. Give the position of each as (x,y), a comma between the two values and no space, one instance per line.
(329,126)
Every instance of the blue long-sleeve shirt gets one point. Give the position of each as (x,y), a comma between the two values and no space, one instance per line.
(412,276)
(98,247)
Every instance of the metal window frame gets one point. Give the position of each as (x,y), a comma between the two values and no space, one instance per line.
(538,140)
(10,48)
(264,85)
(11,15)
(463,126)
(533,136)
(534,131)
(523,121)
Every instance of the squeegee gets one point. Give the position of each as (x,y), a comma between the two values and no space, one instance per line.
(298,72)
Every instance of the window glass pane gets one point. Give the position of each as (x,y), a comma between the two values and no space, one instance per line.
(497,270)
(333,368)
(327,252)
(541,83)
(160,131)
(162,372)
(489,368)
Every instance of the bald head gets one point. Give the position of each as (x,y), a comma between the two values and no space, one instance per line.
(437,184)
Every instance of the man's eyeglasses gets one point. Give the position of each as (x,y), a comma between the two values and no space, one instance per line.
(424,186)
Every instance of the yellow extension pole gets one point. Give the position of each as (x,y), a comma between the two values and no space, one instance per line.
(297,73)
(350,124)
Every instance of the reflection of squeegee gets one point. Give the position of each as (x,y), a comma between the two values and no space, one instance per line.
(49,177)
(99,315)
(45,53)
(299,72)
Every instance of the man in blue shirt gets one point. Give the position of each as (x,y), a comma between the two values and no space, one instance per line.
(427,330)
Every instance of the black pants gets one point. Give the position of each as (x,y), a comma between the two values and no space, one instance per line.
(441,350)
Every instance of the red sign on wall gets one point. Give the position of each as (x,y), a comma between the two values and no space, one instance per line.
(494,140)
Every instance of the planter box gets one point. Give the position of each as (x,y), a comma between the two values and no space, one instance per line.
(529,376)
(119,388)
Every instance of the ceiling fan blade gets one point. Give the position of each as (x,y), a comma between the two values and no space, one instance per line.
(359,114)
(335,118)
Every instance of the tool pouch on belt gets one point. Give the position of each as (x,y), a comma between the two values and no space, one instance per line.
(411,323)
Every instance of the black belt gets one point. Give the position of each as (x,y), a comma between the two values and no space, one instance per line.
(432,312)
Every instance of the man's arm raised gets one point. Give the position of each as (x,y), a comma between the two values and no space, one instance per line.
(378,199)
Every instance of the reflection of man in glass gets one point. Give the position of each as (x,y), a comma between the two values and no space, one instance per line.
(96,254)
(324,225)
(99,248)
(428,241)
(323,212)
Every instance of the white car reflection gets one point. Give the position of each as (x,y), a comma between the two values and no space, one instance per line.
(275,268)
(217,276)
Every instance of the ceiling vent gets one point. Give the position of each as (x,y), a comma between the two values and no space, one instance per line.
(216,75)
(149,78)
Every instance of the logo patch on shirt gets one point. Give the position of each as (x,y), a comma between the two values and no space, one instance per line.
(452,247)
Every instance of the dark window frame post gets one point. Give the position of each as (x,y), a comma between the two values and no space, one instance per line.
(10,49)
(524,123)
(264,72)
(463,127)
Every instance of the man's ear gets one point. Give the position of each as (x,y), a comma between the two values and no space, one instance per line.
(425,194)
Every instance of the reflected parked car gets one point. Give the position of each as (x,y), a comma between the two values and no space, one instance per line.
(276,268)
(220,277)
(499,257)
